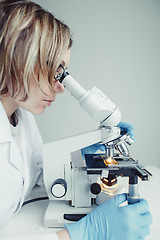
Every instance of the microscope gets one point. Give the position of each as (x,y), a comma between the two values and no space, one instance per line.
(75,184)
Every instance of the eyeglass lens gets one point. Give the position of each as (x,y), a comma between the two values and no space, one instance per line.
(59,72)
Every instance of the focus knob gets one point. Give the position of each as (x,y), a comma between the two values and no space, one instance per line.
(59,188)
(95,188)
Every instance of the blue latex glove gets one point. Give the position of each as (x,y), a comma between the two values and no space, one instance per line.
(92,149)
(109,221)
(126,127)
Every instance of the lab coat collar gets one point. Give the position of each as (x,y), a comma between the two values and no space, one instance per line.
(5,130)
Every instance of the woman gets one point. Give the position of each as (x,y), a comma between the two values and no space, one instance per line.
(33,44)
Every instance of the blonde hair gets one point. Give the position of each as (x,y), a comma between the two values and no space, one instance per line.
(30,37)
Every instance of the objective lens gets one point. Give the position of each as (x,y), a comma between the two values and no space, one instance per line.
(121,147)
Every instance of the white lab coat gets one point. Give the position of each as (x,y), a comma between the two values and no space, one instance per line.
(20,166)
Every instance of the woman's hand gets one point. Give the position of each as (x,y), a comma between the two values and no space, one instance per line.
(109,221)
(63,234)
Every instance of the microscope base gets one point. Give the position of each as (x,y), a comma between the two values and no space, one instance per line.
(54,216)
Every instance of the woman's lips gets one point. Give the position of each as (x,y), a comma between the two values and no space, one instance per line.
(48,102)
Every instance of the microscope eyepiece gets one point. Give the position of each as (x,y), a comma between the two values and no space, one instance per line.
(65,74)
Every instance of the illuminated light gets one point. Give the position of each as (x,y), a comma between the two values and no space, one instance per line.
(105,187)
(109,190)
(109,160)
(109,182)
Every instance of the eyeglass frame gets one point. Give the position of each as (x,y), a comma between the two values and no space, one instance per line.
(58,77)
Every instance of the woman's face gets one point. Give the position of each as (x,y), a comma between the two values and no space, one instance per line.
(41,97)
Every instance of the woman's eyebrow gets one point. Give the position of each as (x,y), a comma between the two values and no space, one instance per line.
(63,63)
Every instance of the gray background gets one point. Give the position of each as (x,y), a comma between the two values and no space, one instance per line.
(116,48)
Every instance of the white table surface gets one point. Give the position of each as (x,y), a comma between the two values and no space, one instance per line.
(30,218)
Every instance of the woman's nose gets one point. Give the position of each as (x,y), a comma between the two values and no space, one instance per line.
(58,87)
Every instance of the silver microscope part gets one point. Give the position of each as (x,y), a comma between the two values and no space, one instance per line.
(122,148)
(133,196)
(128,139)
(120,145)
(109,150)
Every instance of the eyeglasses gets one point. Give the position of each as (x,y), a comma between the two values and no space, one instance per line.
(59,72)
